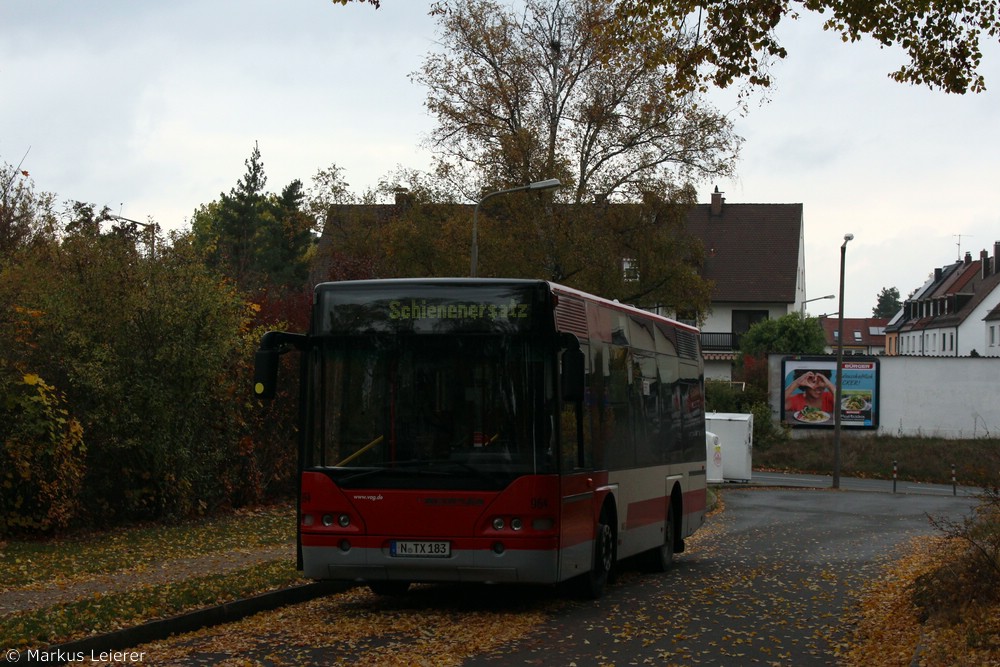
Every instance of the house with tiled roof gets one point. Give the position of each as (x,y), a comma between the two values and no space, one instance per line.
(755,258)
(955,314)
(862,335)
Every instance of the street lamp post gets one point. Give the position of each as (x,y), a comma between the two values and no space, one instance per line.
(150,227)
(537,185)
(840,371)
(828,296)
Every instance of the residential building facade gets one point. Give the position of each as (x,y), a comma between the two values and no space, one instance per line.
(755,259)
(862,335)
(956,313)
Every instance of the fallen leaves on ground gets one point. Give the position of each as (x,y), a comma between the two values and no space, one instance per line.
(361,629)
(890,630)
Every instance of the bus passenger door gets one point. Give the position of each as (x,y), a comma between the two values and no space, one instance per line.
(577,484)
(576,524)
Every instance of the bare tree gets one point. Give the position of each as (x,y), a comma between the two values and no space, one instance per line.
(545,93)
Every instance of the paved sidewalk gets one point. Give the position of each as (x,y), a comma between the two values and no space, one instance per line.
(803,480)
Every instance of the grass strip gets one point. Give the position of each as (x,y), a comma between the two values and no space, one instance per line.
(24,562)
(105,613)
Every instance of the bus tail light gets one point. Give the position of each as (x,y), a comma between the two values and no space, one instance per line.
(342,520)
(517,523)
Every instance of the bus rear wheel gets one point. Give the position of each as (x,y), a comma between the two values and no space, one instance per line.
(659,559)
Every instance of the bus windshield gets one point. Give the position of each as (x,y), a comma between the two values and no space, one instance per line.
(450,411)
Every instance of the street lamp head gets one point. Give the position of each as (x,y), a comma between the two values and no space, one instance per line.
(547,184)
(848,237)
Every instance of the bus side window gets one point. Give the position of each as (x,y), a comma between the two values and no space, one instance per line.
(572,375)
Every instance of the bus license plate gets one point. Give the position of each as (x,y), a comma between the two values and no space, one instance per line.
(415,549)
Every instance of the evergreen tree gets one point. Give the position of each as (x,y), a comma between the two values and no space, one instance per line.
(888,303)
(257,239)
(239,220)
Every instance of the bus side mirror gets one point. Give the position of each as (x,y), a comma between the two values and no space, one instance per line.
(265,373)
(265,362)
(572,375)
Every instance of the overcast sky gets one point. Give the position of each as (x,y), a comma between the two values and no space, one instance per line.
(152,108)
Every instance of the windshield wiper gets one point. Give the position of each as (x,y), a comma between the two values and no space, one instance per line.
(398,472)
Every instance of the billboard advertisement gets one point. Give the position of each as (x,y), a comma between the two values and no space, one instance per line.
(809,392)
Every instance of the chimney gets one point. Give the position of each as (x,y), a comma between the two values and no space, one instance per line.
(968,258)
(996,257)
(938,272)
(403,197)
(717,202)
(984,260)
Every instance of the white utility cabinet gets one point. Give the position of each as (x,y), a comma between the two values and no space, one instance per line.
(713,458)
(735,431)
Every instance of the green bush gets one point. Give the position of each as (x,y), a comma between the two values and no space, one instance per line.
(150,352)
(41,457)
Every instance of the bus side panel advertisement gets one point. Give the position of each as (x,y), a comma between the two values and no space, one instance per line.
(809,392)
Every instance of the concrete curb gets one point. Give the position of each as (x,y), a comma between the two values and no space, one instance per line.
(163,628)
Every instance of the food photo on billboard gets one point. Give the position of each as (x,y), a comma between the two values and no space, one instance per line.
(809,392)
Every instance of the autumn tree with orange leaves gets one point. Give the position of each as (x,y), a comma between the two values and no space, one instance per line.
(538,93)
(737,39)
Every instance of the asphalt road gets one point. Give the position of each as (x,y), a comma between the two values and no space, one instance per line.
(769,580)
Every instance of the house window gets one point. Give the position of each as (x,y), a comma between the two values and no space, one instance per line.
(630,269)
(857,336)
(993,336)
(744,319)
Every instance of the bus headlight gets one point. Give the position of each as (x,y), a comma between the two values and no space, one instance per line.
(498,523)
(327,520)
(516,524)
(344,520)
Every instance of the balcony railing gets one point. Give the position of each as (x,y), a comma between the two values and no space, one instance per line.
(719,342)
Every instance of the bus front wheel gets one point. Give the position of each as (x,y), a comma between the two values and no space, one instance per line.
(605,540)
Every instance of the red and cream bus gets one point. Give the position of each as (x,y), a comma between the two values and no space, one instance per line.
(491,430)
